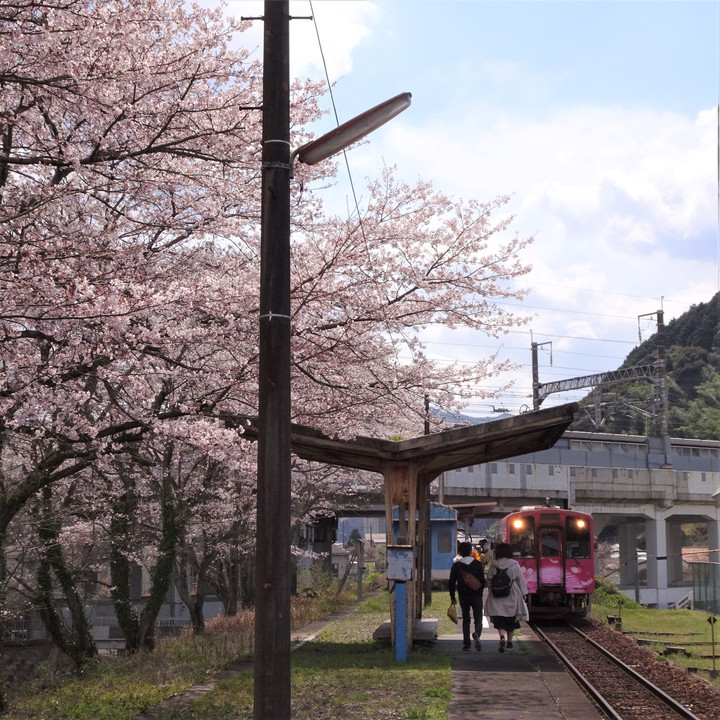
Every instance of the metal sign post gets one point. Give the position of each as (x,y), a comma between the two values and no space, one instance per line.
(400,560)
(712,620)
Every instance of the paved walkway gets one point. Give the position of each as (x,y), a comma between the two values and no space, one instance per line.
(525,682)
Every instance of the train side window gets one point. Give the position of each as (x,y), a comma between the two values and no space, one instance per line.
(522,537)
(550,545)
(577,538)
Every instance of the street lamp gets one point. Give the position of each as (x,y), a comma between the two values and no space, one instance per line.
(272,555)
(352,130)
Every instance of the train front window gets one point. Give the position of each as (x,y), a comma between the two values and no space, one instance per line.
(577,532)
(522,537)
(550,545)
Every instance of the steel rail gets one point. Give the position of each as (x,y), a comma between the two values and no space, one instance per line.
(673,704)
(594,693)
(669,700)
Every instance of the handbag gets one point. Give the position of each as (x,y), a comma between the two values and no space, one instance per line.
(470,581)
(526,611)
(452,612)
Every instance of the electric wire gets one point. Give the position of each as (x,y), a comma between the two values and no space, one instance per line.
(337,122)
(528,282)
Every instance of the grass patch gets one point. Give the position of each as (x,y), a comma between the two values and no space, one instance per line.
(120,688)
(344,673)
(660,629)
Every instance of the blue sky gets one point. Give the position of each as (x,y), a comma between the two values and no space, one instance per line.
(599,118)
(540,56)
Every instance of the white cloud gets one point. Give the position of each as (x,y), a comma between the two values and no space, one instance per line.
(595,185)
(622,198)
(342,26)
(622,202)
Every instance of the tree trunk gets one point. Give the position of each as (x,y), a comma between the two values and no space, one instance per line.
(11,502)
(246,581)
(161,576)
(3,614)
(77,643)
(139,630)
(120,537)
(226,580)
(195,609)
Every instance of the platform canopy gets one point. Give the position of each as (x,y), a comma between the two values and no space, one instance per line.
(409,466)
(435,453)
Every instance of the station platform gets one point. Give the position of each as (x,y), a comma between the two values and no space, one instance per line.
(527,681)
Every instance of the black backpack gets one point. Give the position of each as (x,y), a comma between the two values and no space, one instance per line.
(500,583)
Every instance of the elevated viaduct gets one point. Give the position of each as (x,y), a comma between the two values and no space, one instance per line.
(625,480)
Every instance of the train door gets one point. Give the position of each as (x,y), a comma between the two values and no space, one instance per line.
(579,564)
(551,568)
(521,536)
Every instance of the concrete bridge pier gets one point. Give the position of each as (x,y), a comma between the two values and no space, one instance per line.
(713,527)
(657,552)
(675,560)
(628,532)
(659,579)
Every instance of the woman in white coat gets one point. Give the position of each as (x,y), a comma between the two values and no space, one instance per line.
(505,612)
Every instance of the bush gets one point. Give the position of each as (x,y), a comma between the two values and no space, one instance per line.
(607,595)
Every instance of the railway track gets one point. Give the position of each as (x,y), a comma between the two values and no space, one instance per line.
(617,688)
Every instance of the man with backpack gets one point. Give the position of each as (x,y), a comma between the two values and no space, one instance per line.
(505,604)
(467,576)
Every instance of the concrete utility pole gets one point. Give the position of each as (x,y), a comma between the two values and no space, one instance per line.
(272,555)
(662,385)
(427,545)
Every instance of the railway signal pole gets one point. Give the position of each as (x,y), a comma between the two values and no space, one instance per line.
(655,372)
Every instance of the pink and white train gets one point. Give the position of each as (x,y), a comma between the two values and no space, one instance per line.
(556,550)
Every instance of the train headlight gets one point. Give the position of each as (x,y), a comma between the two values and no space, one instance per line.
(518,524)
(581,523)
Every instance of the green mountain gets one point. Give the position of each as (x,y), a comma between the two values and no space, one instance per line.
(692,344)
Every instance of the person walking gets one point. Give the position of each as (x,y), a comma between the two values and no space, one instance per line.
(505,604)
(467,576)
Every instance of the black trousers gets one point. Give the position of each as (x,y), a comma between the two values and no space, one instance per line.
(471,604)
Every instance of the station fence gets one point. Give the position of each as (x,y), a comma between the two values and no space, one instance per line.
(706,586)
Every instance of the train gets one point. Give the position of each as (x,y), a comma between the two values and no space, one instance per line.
(556,551)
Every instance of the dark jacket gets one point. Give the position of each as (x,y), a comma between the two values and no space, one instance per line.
(468,565)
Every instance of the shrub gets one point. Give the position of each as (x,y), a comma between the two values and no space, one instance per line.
(607,595)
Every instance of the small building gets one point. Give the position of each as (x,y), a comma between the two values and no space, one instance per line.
(443,526)
(339,560)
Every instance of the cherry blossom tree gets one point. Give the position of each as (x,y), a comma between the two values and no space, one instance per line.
(129,246)
(364,291)
(218,501)
(127,131)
